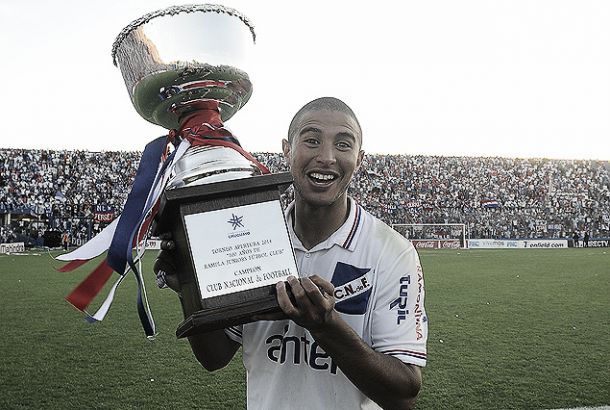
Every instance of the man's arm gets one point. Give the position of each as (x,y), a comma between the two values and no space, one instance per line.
(386,380)
(214,350)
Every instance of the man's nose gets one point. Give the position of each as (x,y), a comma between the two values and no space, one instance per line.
(326,153)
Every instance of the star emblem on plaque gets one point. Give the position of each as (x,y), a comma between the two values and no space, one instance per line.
(235,221)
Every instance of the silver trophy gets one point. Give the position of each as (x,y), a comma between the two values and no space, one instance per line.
(185,70)
(177,62)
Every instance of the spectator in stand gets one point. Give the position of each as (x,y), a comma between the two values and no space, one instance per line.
(65,240)
(585,240)
(576,237)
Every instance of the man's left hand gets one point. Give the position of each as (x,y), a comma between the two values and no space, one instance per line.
(314,302)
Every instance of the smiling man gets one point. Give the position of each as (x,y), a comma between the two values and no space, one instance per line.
(354,337)
(323,150)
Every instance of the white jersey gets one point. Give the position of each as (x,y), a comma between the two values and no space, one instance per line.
(379,292)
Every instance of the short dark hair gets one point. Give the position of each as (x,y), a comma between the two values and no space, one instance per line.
(320,104)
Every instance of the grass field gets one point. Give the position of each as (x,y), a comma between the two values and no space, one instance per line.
(509,329)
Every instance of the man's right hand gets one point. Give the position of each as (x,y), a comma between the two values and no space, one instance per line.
(165,267)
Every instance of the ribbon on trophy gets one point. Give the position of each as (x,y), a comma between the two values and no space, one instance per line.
(204,126)
(128,232)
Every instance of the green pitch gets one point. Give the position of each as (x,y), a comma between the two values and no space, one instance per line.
(509,329)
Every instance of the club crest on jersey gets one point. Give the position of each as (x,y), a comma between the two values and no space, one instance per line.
(352,288)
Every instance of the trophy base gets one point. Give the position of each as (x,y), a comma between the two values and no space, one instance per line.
(222,313)
(238,308)
(232,246)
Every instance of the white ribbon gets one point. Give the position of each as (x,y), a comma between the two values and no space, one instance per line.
(93,248)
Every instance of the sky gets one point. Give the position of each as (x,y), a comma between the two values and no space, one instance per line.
(512,78)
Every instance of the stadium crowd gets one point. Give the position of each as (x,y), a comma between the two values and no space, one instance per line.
(46,190)
(494,197)
(80,192)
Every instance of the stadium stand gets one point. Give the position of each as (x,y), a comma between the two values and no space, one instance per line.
(43,193)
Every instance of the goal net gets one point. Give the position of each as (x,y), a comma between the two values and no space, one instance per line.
(434,236)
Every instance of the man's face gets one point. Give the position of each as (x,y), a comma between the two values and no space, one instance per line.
(323,156)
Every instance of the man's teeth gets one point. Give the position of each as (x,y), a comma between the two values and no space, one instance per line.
(323,177)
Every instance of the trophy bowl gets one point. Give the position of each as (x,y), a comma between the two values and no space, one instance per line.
(184,68)
(174,57)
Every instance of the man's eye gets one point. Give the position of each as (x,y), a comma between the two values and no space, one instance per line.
(310,141)
(342,145)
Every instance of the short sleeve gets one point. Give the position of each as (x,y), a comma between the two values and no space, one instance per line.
(399,323)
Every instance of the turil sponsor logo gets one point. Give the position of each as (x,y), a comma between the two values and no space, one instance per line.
(400,303)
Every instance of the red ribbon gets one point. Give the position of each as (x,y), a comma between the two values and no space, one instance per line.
(204,126)
(86,291)
(70,266)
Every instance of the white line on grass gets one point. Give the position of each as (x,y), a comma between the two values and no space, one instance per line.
(588,408)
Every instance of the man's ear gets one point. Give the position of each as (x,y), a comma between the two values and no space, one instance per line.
(286,149)
(359,160)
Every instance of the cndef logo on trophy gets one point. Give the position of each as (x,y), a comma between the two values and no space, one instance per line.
(237,222)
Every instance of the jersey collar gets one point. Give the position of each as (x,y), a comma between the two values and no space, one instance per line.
(346,236)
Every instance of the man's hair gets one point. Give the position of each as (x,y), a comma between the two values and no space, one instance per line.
(321,104)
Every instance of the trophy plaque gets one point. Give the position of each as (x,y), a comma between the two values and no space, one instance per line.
(185,70)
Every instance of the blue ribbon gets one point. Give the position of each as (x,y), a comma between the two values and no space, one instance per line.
(121,246)
(146,319)
(147,207)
